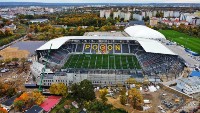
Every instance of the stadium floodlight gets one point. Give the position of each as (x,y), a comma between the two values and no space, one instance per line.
(44,69)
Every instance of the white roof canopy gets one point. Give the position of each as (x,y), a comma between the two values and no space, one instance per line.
(151,46)
(140,31)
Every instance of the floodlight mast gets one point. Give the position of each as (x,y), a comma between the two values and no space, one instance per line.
(43,70)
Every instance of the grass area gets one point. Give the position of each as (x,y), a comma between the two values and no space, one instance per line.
(60,105)
(187,41)
(21,29)
(102,61)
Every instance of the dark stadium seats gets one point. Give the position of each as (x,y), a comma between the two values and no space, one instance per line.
(159,63)
(79,48)
(125,48)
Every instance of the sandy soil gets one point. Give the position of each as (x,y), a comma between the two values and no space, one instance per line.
(11,52)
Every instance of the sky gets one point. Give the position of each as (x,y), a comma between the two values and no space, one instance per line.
(106,1)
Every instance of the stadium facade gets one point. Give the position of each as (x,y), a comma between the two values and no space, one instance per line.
(105,60)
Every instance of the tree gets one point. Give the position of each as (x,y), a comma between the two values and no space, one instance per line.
(11,91)
(23,60)
(84,90)
(8,60)
(2,34)
(18,104)
(25,97)
(7,89)
(145,81)
(37,97)
(100,107)
(135,98)
(30,36)
(123,99)
(8,32)
(103,93)
(59,89)
(3,110)
(131,81)
(123,96)
(15,59)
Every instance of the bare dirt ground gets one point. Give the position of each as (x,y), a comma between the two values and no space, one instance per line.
(11,52)
(16,76)
(155,99)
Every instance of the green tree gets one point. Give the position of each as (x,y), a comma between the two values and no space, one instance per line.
(84,90)
(15,59)
(19,104)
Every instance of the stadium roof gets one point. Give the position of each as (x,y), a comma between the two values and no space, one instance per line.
(56,43)
(151,46)
(140,31)
(154,46)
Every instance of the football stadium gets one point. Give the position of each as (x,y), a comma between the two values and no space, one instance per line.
(105,58)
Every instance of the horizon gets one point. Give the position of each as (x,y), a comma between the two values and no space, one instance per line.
(105,1)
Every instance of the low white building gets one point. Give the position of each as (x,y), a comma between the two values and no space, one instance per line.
(39,21)
(189,85)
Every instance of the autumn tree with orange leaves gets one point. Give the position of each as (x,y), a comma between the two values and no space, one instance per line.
(2,110)
(7,90)
(28,99)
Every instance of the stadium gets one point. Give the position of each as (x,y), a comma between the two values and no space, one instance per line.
(105,58)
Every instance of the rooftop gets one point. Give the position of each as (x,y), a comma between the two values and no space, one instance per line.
(132,23)
(9,102)
(140,31)
(151,46)
(50,102)
(112,33)
(191,81)
(195,73)
(34,109)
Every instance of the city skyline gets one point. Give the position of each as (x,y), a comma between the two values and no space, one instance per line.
(105,1)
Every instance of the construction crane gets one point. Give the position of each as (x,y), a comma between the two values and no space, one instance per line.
(44,69)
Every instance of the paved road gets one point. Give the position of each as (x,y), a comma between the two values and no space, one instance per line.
(190,60)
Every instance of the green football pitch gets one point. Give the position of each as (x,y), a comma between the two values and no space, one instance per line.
(187,41)
(102,61)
